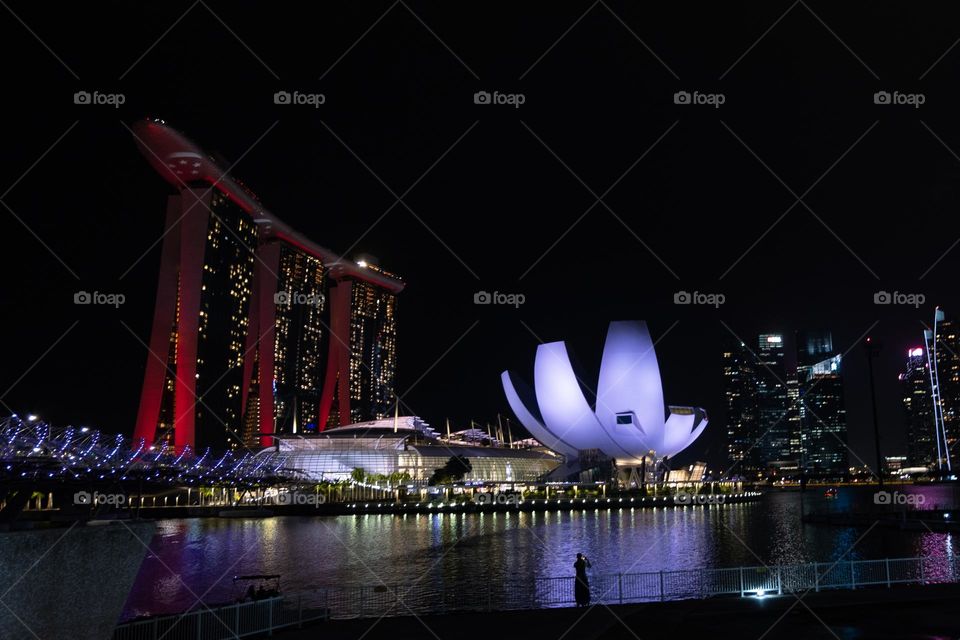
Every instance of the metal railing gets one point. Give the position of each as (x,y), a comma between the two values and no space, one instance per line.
(220,623)
(265,616)
(622,588)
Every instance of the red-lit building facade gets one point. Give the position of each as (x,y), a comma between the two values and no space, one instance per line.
(256,329)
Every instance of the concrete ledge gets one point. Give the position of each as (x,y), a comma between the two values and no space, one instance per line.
(69,582)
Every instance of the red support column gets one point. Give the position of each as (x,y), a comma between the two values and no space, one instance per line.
(193,239)
(267,267)
(164,315)
(337,377)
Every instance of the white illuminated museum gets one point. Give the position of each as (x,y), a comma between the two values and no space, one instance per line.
(629,423)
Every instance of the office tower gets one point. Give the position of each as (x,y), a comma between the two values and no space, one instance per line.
(740,387)
(773,403)
(793,419)
(943,362)
(823,416)
(918,410)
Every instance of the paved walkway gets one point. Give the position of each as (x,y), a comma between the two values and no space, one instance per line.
(908,612)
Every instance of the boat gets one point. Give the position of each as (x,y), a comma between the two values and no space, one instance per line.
(258,586)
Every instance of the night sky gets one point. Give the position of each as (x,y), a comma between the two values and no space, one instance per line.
(495,197)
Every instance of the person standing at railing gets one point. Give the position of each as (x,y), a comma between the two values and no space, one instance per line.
(581,590)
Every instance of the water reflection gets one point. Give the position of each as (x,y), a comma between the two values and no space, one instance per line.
(453,552)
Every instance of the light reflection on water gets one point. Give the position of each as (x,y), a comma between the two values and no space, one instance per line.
(199,557)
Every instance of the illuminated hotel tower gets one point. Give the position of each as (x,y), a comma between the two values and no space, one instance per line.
(373,350)
(256,329)
(300,347)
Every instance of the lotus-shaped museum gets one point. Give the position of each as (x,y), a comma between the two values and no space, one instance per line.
(629,420)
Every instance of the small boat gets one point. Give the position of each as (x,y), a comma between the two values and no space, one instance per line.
(259,587)
(831,493)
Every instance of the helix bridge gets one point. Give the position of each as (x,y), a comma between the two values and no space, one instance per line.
(35,453)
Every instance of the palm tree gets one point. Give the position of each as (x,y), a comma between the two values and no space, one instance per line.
(453,471)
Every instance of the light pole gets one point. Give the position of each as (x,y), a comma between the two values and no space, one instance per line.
(873,348)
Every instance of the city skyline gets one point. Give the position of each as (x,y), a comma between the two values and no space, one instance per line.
(897,429)
(787,415)
(276,275)
(336,178)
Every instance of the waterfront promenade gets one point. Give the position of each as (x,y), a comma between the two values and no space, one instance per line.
(878,613)
(346,607)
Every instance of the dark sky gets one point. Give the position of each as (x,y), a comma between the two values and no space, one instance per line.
(512,206)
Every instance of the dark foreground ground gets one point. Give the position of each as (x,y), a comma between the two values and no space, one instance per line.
(912,612)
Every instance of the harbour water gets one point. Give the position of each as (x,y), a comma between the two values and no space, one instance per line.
(196,559)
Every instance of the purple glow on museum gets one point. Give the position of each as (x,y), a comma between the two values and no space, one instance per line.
(629,422)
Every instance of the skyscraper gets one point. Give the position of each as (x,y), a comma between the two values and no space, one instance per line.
(362,384)
(793,419)
(256,330)
(778,415)
(823,415)
(943,362)
(193,378)
(301,341)
(772,402)
(740,387)
(373,350)
(918,410)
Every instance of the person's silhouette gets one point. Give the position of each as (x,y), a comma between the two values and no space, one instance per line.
(581,590)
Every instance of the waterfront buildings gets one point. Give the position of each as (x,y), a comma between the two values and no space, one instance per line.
(918,410)
(373,348)
(740,385)
(942,343)
(773,407)
(785,415)
(257,330)
(822,410)
(405,449)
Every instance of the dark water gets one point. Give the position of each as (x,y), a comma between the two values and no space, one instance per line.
(197,558)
